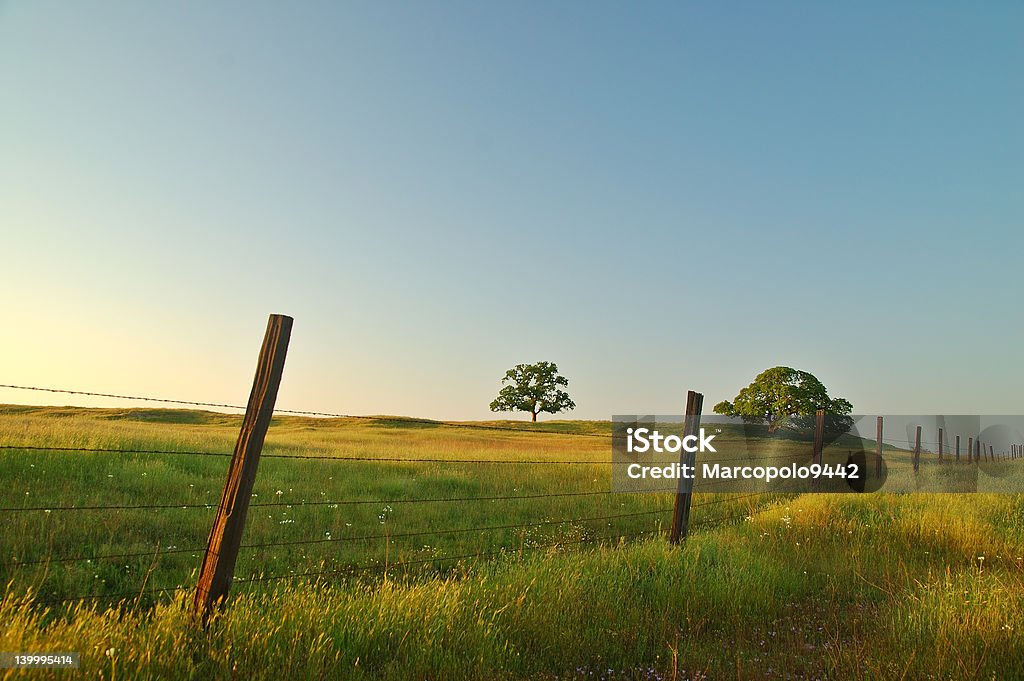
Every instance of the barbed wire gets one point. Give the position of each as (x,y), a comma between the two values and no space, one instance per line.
(386,419)
(351,569)
(110,450)
(465,530)
(327,502)
(122,596)
(396,565)
(479,554)
(104,557)
(310,457)
(202,549)
(301,412)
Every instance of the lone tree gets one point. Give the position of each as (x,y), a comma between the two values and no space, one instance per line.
(782,397)
(533,388)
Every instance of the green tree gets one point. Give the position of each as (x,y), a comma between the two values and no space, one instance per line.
(783,397)
(533,388)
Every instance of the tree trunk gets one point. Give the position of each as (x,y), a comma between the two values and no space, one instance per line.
(534,414)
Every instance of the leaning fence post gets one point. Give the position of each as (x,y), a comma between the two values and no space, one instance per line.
(226,534)
(917,450)
(684,488)
(878,449)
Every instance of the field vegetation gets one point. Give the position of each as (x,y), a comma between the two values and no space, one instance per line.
(348,574)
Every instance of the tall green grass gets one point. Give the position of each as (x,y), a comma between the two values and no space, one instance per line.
(814,586)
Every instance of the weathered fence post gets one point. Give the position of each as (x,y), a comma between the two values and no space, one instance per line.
(958,449)
(977,451)
(819,442)
(917,450)
(970,450)
(684,488)
(878,449)
(940,445)
(991,453)
(226,534)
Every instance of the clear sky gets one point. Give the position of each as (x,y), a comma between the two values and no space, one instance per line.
(657,197)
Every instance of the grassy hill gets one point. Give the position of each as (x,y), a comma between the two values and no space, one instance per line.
(536,572)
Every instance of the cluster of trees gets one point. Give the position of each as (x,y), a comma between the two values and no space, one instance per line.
(783,397)
(780,397)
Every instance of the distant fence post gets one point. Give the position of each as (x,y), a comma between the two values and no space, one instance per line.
(819,442)
(917,450)
(970,450)
(226,534)
(684,488)
(940,445)
(977,451)
(991,453)
(958,449)
(878,449)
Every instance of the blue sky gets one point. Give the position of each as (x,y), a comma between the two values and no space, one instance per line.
(655,196)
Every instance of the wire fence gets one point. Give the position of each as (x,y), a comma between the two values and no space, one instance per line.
(403,564)
(300,412)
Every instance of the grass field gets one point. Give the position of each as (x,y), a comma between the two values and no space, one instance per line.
(576,587)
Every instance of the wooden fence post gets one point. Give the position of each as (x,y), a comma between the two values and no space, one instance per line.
(991,453)
(226,534)
(917,450)
(940,445)
(684,488)
(878,449)
(958,449)
(819,442)
(977,451)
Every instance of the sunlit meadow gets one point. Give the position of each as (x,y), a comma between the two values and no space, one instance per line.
(546,587)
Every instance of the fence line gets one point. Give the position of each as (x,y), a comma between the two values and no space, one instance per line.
(244,581)
(224,545)
(157,551)
(299,412)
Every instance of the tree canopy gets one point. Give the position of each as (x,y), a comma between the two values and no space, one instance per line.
(533,388)
(783,397)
